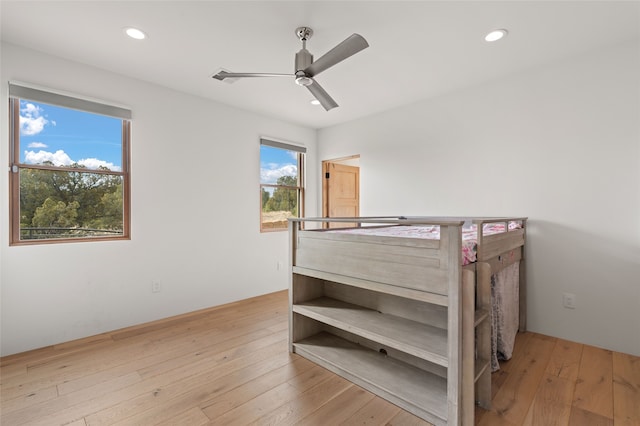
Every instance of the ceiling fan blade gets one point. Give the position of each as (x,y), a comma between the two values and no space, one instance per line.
(349,47)
(224,74)
(321,95)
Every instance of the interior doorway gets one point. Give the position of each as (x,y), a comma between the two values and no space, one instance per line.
(341,188)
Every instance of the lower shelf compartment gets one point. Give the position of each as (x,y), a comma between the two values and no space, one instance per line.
(417,391)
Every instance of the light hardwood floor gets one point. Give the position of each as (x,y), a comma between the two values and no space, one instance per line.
(230,365)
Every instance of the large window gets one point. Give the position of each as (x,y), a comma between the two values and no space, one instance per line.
(69,171)
(281,184)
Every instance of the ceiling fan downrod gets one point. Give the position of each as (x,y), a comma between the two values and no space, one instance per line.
(304,58)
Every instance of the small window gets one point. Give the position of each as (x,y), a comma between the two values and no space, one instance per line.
(281,184)
(69,171)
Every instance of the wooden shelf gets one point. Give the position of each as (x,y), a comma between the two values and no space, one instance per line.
(411,388)
(420,340)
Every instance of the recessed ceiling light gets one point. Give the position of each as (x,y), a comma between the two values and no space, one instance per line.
(135,33)
(315,102)
(495,35)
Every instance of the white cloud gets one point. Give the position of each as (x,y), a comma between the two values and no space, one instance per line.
(94,163)
(272,172)
(60,158)
(32,121)
(38,145)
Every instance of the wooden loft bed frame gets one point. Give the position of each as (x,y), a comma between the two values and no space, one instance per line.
(401,317)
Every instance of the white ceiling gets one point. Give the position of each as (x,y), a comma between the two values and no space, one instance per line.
(418,49)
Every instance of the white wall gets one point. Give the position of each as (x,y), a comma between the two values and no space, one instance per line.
(194,220)
(568,135)
(559,144)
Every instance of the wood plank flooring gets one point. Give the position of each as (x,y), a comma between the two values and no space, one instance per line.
(230,365)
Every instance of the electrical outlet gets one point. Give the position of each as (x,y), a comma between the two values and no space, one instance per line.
(155,286)
(569,300)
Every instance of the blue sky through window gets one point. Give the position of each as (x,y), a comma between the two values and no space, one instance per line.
(277,162)
(65,136)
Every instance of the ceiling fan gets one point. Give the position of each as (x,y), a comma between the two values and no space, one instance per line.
(306,68)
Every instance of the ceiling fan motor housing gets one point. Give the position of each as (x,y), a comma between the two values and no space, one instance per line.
(303,59)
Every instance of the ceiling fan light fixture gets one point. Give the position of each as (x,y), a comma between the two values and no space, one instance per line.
(303,80)
(496,35)
(315,102)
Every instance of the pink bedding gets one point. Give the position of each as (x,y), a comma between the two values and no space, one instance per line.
(432,232)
